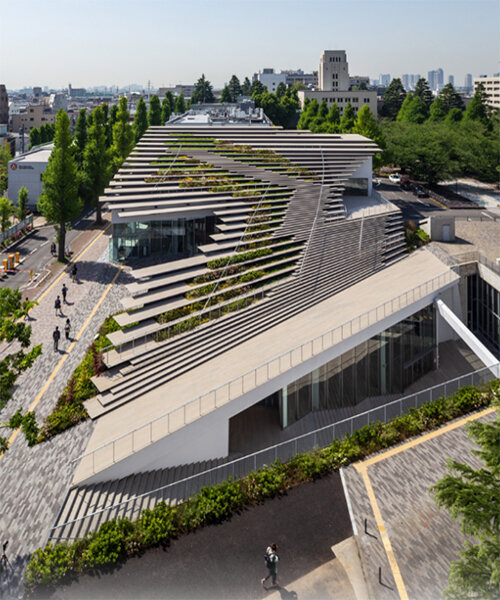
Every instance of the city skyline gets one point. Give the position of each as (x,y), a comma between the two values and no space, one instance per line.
(119,43)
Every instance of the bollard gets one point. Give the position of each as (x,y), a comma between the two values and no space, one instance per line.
(11,261)
(18,257)
(32,274)
(5,265)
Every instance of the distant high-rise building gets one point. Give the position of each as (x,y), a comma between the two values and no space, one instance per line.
(385,79)
(468,81)
(491,87)
(4,105)
(439,78)
(37,92)
(451,79)
(432,79)
(405,79)
(333,71)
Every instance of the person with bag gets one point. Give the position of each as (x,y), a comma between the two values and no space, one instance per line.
(271,560)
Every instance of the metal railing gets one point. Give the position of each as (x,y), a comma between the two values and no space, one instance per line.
(12,231)
(475,256)
(187,487)
(145,435)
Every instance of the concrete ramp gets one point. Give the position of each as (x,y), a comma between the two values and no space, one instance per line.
(468,337)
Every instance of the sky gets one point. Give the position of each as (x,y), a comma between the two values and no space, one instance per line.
(120,42)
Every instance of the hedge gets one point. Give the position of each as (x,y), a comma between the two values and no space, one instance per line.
(121,538)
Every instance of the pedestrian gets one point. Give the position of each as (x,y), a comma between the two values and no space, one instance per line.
(57,305)
(64,291)
(67,328)
(74,271)
(53,248)
(28,318)
(56,336)
(271,559)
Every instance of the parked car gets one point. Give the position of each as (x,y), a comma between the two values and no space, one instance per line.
(405,183)
(420,191)
(395,178)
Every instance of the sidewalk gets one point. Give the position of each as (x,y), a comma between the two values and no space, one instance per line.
(35,480)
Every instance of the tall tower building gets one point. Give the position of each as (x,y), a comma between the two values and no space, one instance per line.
(385,79)
(468,81)
(4,105)
(439,78)
(432,79)
(405,79)
(451,79)
(333,71)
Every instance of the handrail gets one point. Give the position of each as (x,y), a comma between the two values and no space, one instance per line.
(270,449)
(475,256)
(362,320)
(318,204)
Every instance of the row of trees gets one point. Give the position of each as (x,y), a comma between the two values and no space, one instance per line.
(42,135)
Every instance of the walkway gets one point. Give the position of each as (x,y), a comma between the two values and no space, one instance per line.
(407,534)
(34,480)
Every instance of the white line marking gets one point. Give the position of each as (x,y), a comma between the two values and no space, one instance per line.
(487,215)
(348,501)
(34,250)
(44,243)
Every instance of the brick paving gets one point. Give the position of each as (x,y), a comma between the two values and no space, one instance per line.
(34,480)
(424,538)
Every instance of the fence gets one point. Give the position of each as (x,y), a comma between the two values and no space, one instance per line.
(137,439)
(12,231)
(476,256)
(189,486)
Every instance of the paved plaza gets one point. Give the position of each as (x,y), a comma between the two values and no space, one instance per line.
(34,480)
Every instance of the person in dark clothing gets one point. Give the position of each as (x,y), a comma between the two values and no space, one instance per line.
(64,291)
(67,328)
(53,248)
(56,335)
(74,271)
(57,305)
(271,558)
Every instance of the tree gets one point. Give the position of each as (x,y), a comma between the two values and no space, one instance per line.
(166,110)
(246,87)
(14,329)
(477,109)
(234,88)
(413,110)
(154,114)
(348,119)
(123,135)
(257,88)
(180,106)
(4,167)
(43,134)
(363,86)
(6,211)
(35,138)
(202,93)
(80,136)
(280,90)
(140,119)
(333,116)
(451,98)
(309,111)
(97,160)
(423,91)
(473,497)
(394,97)
(59,201)
(226,95)
(454,116)
(438,110)
(22,203)
(113,111)
(366,124)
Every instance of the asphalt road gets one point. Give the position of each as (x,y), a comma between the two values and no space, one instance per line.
(36,250)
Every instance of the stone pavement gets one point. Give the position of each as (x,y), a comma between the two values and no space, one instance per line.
(34,480)
(424,539)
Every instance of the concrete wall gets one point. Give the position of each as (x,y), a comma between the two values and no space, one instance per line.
(440,228)
(357,99)
(29,175)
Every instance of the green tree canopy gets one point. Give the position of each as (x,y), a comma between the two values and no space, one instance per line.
(80,136)
(246,87)
(473,497)
(97,160)
(113,111)
(226,95)
(454,116)
(477,109)
(4,167)
(366,124)
(280,90)
(22,203)
(180,105)
(6,211)
(59,201)
(123,135)
(348,119)
(203,93)
(451,98)
(257,88)
(234,88)
(333,116)
(140,119)
(323,110)
(423,91)
(413,110)
(166,110)
(394,97)
(154,114)
(35,138)
(438,110)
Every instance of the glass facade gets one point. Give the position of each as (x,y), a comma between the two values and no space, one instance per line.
(483,311)
(175,238)
(385,364)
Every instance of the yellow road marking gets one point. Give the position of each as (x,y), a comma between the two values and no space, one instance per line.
(426,437)
(63,359)
(393,563)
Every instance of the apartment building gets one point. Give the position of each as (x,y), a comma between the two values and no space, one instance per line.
(491,87)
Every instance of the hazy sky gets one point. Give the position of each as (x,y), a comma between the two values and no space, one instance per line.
(118,42)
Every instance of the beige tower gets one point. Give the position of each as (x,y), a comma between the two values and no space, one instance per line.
(333,71)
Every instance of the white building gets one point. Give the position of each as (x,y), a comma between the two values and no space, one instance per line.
(492,89)
(334,85)
(26,170)
(271,79)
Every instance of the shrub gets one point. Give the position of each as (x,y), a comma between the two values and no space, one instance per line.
(49,565)
(109,543)
(157,524)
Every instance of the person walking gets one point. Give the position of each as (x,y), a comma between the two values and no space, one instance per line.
(74,271)
(271,559)
(56,335)
(64,291)
(53,248)
(67,328)
(57,305)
